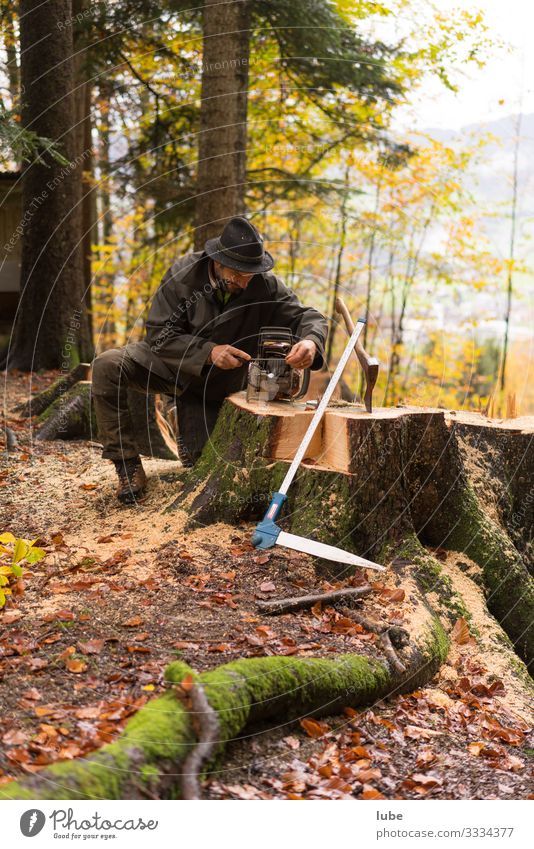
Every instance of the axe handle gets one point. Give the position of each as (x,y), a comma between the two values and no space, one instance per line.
(370,365)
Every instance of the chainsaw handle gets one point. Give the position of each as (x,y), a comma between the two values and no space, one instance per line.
(305,385)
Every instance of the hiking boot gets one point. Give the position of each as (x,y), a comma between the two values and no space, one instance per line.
(186,458)
(132,479)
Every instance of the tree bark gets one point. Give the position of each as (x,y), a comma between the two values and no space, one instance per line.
(51,328)
(221,172)
(84,150)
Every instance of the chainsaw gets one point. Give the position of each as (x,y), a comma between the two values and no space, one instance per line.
(269,376)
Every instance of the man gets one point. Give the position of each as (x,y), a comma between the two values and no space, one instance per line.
(201,331)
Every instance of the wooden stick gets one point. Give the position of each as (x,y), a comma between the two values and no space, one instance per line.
(208,737)
(370,365)
(387,635)
(288,605)
(391,655)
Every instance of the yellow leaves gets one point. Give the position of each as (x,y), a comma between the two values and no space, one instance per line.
(13,551)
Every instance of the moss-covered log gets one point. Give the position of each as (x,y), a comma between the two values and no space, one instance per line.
(37,404)
(67,413)
(145,761)
(70,416)
(373,479)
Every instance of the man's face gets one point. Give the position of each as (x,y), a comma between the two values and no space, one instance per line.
(235,280)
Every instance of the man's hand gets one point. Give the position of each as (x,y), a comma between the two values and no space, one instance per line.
(302,354)
(227,357)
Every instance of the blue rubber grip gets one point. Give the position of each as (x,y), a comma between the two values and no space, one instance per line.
(267,530)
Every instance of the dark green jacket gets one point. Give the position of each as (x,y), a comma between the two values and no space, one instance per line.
(186,320)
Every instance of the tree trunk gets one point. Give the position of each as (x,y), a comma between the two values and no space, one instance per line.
(221,173)
(370,481)
(51,328)
(84,150)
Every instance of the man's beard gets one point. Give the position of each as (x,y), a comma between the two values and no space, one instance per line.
(221,284)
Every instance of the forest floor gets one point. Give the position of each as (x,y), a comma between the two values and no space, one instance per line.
(125,590)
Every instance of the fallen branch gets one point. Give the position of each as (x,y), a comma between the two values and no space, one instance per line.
(396,664)
(208,737)
(387,635)
(288,605)
(398,636)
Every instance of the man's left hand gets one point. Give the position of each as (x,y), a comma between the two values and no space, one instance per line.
(302,354)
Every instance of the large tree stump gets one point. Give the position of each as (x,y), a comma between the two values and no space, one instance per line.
(370,481)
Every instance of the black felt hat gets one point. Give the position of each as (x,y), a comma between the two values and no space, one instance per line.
(240,246)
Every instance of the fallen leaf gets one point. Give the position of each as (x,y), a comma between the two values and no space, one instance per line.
(14,737)
(87,712)
(366,775)
(88,486)
(11,616)
(44,710)
(393,595)
(476,747)
(425,757)
(75,665)
(267,587)
(325,771)
(133,622)
(33,694)
(313,728)
(49,730)
(187,683)
(371,793)
(262,559)
(70,650)
(460,632)
(361,752)
(91,646)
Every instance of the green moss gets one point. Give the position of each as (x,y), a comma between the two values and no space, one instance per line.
(507,581)
(437,643)
(176,671)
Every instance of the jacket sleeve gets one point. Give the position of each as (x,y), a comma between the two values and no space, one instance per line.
(305,322)
(168,333)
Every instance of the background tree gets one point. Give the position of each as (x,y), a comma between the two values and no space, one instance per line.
(52,327)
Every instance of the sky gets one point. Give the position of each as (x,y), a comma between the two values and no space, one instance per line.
(494,91)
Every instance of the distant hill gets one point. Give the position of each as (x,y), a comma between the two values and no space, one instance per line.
(491,180)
